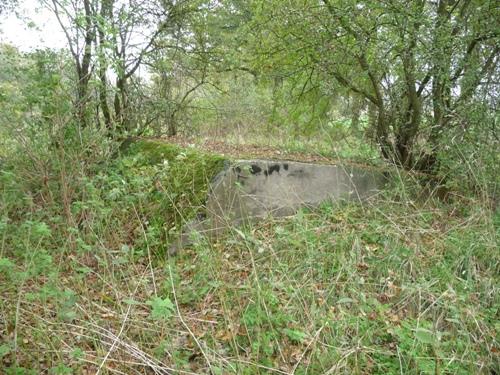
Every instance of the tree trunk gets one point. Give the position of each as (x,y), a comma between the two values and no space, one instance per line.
(103,99)
(120,104)
(105,13)
(358,103)
(81,100)
(172,125)
(83,67)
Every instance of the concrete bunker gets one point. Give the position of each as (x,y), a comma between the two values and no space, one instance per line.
(251,190)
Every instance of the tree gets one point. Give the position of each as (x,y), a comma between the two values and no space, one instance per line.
(415,62)
(181,63)
(111,37)
(76,20)
(7,6)
(127,36)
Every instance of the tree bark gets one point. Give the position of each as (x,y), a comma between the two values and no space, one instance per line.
(83,68)
(105,13)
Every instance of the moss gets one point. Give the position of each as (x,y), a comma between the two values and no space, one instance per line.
(182,177)
(153,152)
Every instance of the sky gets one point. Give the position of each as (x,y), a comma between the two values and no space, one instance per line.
(31,27)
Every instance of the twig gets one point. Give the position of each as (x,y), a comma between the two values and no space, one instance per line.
(147,247)
(184,323)
(315,338)
(114,341)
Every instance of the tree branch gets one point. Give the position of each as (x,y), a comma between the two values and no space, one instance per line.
(472,45)
(66,33)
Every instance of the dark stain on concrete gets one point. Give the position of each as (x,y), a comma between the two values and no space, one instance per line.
(285,166)
(273,168)
(255,169)
(297,173)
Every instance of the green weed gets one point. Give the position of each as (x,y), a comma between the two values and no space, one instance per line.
(393,285)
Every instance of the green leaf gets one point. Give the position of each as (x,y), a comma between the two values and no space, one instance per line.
(162,309)
(84,269)
(77,353)
(295,335)
(41,229)
(425,336)
(130,301)
(61,369)
(68,315)
(4,350)
(6,263)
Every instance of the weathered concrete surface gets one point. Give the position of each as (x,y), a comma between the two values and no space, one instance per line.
(250,190)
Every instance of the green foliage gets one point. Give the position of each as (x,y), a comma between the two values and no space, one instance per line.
(402,283)
(15,370)
(335,45)
(161,308)
(240,106)
(173,179)
(383,287)
(295,335)
(33,92)
(468,156)
(4,350)
(61,369)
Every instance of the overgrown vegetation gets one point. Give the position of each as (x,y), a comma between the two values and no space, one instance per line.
(91,196)
(389,286)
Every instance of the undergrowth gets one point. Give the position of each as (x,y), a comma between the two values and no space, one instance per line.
(394,285)
(177,180)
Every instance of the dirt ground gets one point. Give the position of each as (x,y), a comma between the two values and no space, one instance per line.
(252,151)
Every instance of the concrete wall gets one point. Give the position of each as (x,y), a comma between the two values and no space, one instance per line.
(250,190)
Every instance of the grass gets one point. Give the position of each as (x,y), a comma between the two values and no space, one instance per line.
(333,141)
(177,179)
(390,286)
